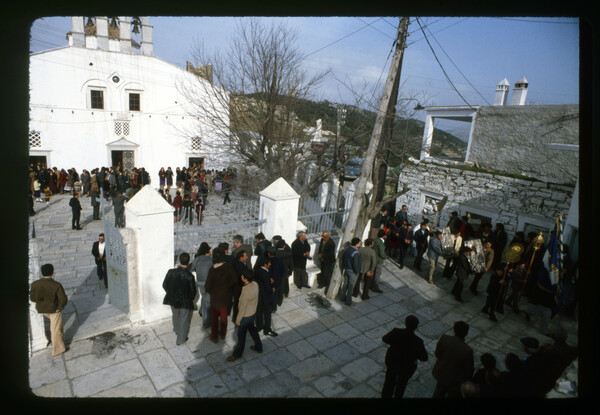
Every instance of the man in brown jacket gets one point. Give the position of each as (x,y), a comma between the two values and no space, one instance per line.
(50,299)
(455,362)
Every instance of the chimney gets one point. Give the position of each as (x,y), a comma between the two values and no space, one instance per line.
(102,32)
(501,92)
(125,34)
(520,92)
(147,45)
(77,34)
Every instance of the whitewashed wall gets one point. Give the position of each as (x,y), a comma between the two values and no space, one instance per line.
(74,135)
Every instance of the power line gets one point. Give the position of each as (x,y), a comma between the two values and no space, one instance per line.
(383,33)
(342,38)
(440,64)
(459,71)
(533,21)
(447,27)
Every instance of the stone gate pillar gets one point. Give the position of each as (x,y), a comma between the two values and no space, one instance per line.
(279,207)
(151,217)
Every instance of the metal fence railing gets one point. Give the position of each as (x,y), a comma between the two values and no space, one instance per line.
(217,224)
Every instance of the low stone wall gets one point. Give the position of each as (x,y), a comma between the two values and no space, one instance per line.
(507,200)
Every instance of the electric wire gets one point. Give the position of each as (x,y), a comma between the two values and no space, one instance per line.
(442,67)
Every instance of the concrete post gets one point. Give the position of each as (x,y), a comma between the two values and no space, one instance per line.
(279,206)
(427,137)
(152,219)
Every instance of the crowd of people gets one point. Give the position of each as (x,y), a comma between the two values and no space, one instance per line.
(231,286)
(508,282)
(192,186)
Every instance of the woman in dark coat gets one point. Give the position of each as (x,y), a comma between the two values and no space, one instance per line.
(463,269)
(161,178)
(52,182)
(62,181)
(169,177)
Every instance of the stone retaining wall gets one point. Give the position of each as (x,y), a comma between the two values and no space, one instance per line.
(511,201)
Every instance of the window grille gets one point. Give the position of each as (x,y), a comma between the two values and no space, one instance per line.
(196,143)
(35,139)
(122,128)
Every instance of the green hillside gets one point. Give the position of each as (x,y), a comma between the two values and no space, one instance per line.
(407,134)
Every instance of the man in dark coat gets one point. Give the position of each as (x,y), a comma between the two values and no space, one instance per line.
(300,254)
(261,248)
(99,253)
(284,252)
(50,299)
(402,215)
(420,238)
(463,269)
(455,362)
(240,262)
(95,201)
(180,287)
(493,289)
(239,245)
(76,211)
(265,297)
(327,258)
(500,239)
(351,265)
(119,207)
(401,358)
(276,275)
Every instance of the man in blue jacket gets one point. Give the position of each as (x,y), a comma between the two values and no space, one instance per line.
(433,253)
(351,264)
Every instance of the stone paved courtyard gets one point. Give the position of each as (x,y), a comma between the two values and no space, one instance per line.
(319,353)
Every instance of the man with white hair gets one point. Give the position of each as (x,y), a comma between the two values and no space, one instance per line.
(300,254)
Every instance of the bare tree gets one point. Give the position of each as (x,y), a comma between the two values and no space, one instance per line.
(250,100)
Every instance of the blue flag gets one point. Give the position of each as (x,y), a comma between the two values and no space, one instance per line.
(552,264)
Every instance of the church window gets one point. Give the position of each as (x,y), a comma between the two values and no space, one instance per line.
(97,99)
(134,102)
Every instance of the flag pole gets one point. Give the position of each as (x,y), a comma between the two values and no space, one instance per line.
(538,243)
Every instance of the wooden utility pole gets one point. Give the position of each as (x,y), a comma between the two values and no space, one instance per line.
(354,226)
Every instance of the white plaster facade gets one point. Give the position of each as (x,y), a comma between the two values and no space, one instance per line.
(70,133)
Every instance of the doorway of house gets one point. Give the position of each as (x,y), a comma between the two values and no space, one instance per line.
(41,160)
(196,162)
(122,159)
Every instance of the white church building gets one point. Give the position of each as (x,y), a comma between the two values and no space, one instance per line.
(106,100)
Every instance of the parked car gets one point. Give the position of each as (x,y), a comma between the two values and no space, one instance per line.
(352,168)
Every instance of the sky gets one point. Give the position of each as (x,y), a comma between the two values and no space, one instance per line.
(475,53)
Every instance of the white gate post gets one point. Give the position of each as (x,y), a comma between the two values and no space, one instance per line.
(279,206)
(151,218)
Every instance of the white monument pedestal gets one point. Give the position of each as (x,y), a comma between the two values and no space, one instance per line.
(151,217)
